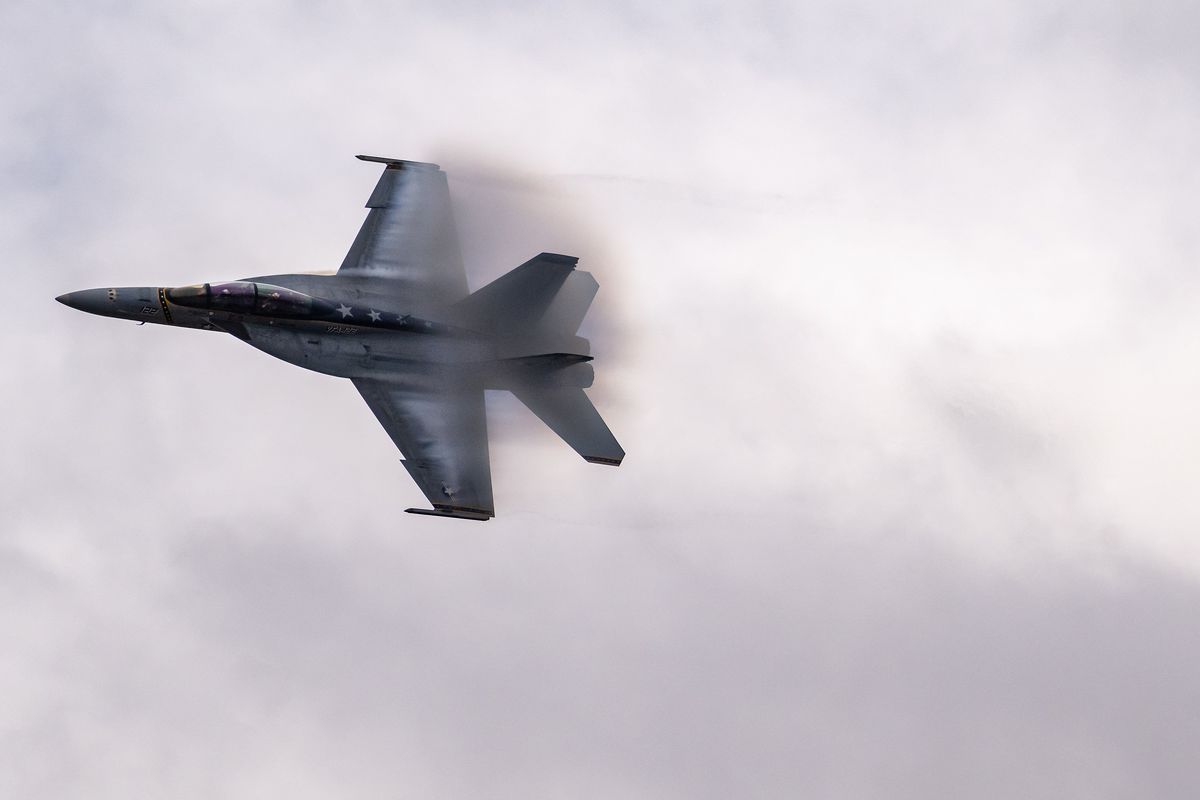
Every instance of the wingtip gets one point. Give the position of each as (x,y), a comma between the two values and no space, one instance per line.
(558,258)
(452,513)
(397,163)
(611,462)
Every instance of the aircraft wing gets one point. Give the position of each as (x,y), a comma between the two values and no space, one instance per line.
(409,237)
(442,432)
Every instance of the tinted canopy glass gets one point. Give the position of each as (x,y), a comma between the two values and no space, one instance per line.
(245,297)
(235,296)
(276,300)
(196,295)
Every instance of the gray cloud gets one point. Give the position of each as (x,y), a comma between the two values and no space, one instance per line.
(895,323)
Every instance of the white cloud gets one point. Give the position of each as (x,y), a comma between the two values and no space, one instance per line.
(895,324)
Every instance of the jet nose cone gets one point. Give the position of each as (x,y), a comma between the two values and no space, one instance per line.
(94,301)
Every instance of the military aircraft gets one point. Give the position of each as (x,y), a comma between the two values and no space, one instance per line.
(398,320)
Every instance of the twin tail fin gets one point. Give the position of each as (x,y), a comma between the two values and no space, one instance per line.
(536,310)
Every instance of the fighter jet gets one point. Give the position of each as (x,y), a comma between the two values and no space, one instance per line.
(398,320)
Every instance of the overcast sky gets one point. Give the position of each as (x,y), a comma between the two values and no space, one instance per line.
(897,324)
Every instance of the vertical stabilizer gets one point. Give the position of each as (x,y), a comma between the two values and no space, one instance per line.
(571,415)
(516,302)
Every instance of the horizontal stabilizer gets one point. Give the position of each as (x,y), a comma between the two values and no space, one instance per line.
(569,413)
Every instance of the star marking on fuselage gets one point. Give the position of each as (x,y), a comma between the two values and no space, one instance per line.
(374,315)
(344,310)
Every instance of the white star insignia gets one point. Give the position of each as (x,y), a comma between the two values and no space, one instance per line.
(374,315)
(344,310)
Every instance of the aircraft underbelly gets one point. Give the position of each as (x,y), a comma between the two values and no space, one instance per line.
(349,352)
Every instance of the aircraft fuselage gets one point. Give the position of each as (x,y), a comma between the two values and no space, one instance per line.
(347,331)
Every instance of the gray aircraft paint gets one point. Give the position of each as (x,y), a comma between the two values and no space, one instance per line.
(398,320)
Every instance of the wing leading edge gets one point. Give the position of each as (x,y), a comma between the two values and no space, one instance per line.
(408,238)
(442,432)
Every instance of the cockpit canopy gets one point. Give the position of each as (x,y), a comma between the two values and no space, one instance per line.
(246,297)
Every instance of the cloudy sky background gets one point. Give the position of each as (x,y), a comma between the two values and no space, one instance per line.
(897,324)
